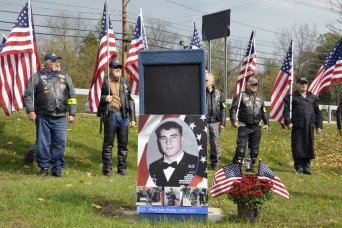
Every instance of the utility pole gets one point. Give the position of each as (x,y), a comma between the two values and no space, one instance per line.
(123,51)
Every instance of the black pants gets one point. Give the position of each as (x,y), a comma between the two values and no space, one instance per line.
(252,135)
(115,124)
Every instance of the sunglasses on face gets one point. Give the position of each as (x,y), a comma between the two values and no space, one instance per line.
(303,83)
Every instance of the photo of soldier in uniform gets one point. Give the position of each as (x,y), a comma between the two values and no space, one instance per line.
(171,197)
(172,154)
(194,197)
(149,196)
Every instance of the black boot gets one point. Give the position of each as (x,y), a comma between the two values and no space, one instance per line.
(107,160)
(122,155)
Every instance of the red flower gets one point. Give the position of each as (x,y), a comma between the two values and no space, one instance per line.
(250,191)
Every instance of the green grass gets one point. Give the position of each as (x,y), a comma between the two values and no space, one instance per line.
(85,198)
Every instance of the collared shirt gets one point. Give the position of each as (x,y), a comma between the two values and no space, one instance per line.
(115,88)
(169,171)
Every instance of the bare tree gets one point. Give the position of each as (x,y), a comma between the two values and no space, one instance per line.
(336,7)
(160,36)
(304,37)
(69,31)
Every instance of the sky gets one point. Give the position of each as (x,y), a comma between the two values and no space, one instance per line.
(267,16)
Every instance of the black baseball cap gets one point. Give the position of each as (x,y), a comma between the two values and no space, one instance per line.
(52,57)
(300,80)
(115,64)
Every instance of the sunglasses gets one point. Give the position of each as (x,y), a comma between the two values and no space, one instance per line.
(303,83)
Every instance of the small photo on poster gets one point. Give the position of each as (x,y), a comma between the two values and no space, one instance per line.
(172,196)
(195,197)
(149,196)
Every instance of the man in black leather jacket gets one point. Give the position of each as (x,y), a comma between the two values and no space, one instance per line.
(216,116)
(251,112)
(339,118)
(116,109)
(305,117)
(48,96)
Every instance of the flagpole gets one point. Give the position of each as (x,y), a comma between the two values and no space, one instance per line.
(291,85)
(143,29)
(107,28)
(244,77)
(32,55)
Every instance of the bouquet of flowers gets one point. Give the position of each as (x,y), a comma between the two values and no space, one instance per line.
(251,191)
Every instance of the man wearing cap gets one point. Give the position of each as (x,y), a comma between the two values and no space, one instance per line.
(49,95)
(216,116)
(250,114)
(339,118)
(116,109)
(304,118)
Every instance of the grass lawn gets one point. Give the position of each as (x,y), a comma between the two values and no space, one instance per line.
(85,198)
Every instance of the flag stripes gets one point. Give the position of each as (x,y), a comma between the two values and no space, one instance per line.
(102,61)
(225,178)
(330,71)
(282,87)
(248,65)
(137,44)
(278,187)
(18,61)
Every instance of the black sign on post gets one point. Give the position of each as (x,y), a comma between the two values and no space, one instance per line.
(216,25)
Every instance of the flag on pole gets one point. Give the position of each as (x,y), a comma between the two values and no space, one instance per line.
(248,65)
(282,87)
(195,40)
(137,44)
(102,61)
(225,178)
(18,61)
(278,188)
(330,71)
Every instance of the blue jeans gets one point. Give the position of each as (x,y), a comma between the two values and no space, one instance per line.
(51,141)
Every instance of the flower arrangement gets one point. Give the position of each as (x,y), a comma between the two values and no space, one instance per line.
(251,191)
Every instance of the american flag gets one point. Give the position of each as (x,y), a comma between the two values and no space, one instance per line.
(102,61)
(330,71)
(197,124)
(195,40)
(279,188)
(18,61)
(248,65)
(225,178)
(282,87)
(137,44)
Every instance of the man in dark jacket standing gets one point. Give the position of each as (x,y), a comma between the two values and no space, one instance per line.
(216,116)
(48,96)
(305,117)
(251,112)
(116,109)
(339,118)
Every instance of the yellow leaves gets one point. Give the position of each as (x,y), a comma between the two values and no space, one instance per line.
(68,185)
(85,182)
(40,200)
(97,206)
(322,201)
(90,174)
